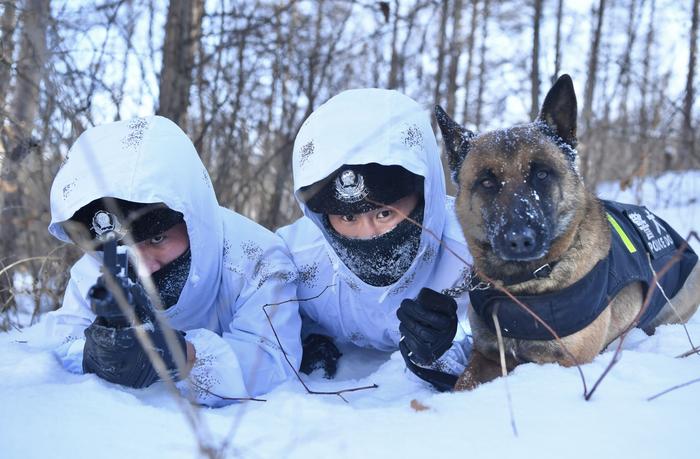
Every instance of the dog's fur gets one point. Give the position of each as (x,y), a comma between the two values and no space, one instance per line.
(522,203)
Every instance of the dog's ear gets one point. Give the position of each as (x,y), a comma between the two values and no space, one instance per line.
(559,110)
(456,140)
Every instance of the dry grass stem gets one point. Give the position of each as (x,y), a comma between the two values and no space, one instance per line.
(671,389)
(504,369)
(645,305)
(292,366)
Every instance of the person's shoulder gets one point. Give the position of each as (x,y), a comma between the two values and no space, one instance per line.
(241,227)
(87,266)
(302,235)
(453,229)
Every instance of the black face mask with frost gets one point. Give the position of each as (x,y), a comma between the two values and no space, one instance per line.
(170,279)
(382,260)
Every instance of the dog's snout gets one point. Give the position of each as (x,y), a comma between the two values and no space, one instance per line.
(521,242)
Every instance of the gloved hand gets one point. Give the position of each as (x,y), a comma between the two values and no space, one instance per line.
(428,326)
(440,380)
(319,352)
(114,354)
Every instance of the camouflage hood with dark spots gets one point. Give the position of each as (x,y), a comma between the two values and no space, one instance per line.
(148,160)
(359,127)
(364,126)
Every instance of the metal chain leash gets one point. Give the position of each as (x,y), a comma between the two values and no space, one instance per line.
(465,283)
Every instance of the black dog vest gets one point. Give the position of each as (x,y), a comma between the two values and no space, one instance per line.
(636,232)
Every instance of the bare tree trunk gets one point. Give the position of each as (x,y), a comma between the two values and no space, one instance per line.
(470,59)
(644,118)
(587,113)
(455,52)
(441,50)
(535,66)
(482,65)
(625,79)
(7,48)
(395,61)
(183,30)
(23,112)
(688,134)
(593,67)
(557,42)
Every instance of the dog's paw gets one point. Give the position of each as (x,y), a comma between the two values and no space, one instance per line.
(466,382)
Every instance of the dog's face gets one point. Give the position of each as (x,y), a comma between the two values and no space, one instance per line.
(519,188)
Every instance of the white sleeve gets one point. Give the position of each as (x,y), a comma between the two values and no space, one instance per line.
(454,360)
(63,329)
(246,360)
(250,333)
(216,377)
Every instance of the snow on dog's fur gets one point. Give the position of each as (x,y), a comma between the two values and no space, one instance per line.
(522,205)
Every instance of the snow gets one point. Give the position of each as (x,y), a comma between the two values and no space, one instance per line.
(49,412)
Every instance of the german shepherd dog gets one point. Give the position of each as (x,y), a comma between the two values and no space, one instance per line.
(536,231)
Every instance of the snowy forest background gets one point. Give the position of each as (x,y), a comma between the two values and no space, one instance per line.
(241,76)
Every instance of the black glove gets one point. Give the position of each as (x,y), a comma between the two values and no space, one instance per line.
(440,380)
(114,354)
(428,326)
(319,352)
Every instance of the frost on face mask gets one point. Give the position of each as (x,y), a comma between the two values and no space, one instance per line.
(382,260)
(170,280)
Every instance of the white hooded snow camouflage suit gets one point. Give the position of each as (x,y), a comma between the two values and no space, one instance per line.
(373,126)
(237,266)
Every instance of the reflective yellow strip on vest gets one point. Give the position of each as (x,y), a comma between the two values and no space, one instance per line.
(622,234)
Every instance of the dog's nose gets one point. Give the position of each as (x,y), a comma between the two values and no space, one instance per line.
(521,243)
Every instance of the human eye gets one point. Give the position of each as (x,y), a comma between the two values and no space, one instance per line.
(348,218)
(157,239)
(384,213)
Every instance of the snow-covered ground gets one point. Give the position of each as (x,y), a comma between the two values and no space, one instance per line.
(48,412)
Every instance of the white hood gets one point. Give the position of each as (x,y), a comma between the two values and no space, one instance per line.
(149,160)
(372,126)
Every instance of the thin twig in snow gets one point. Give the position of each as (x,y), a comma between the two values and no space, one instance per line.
(504,369)
(284,353)
(673,388)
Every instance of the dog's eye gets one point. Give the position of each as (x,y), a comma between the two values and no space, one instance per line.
(488,183)
(542,175)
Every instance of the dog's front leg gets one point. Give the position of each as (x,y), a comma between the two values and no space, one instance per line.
(479,370)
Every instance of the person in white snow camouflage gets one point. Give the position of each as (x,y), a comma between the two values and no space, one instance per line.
(362,161)
(142,182)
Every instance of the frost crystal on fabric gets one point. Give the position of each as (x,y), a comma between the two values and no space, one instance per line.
(68,189)
(306,151)
(308,274)
(201,376)
(413,138)
(429,254)
(262,270)
(251,250)
(404,285)
(137,129)
(205,177)
(358,338)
